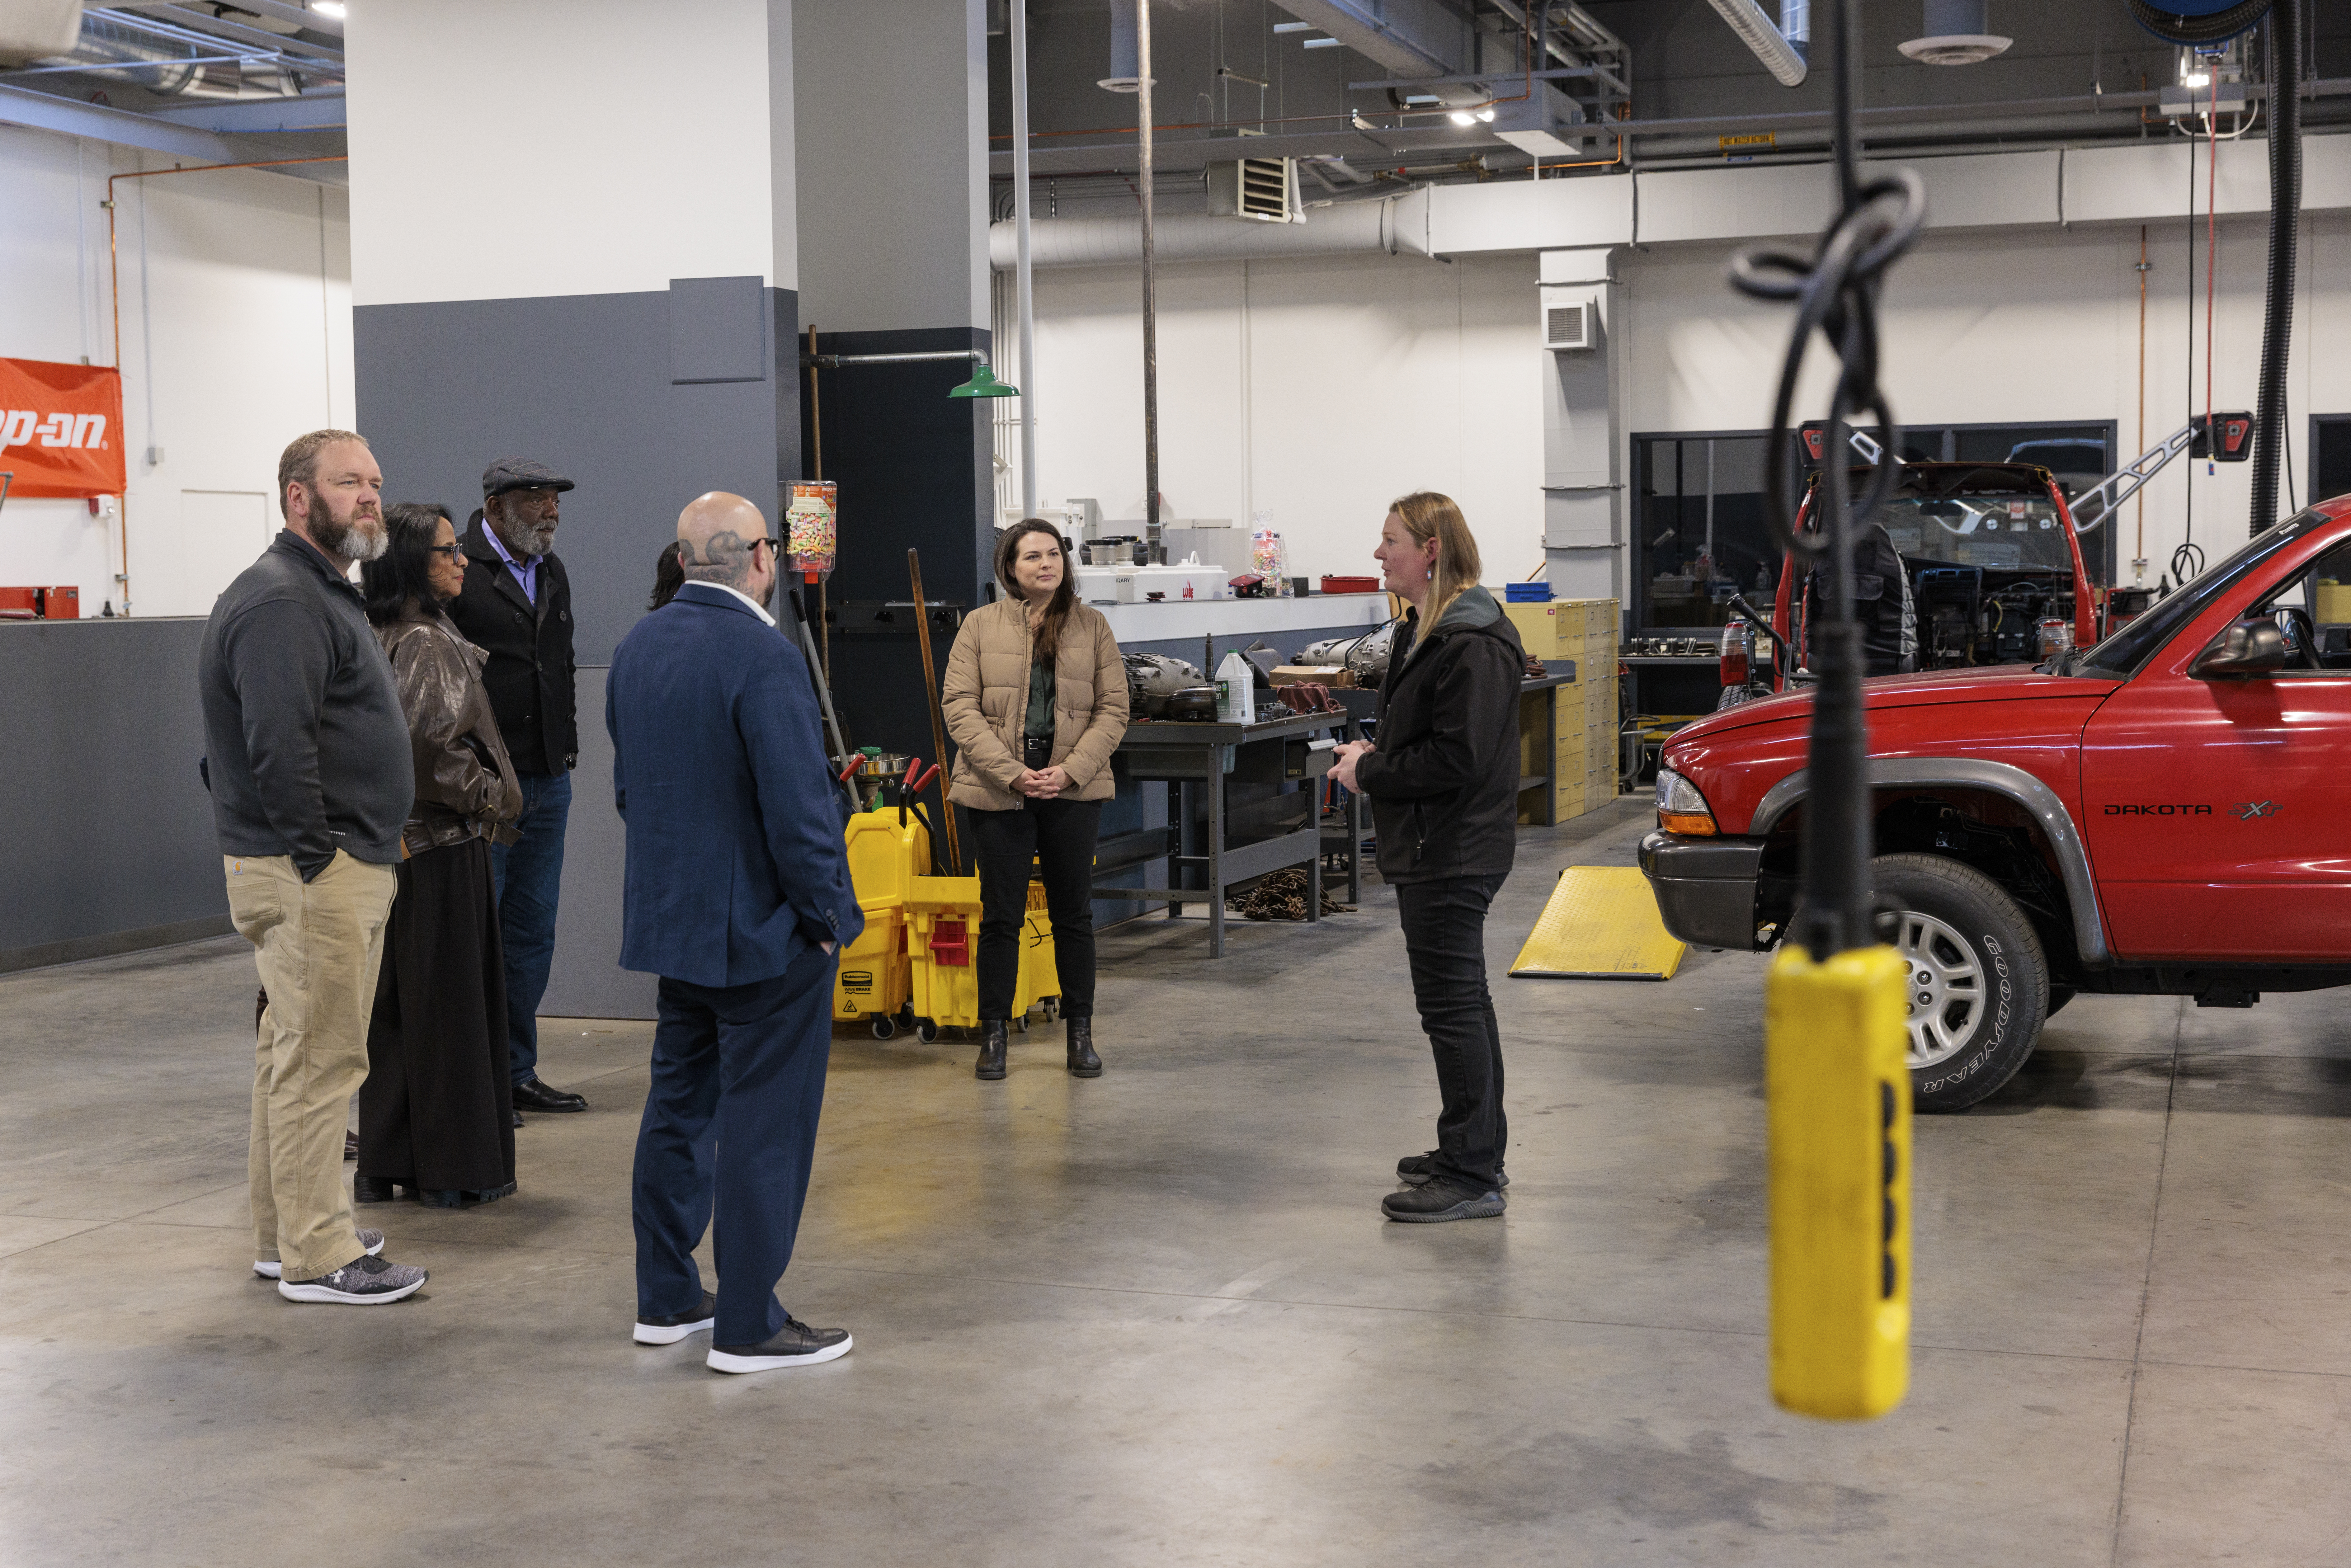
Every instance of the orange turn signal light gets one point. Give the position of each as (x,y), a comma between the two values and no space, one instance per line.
(1694,823)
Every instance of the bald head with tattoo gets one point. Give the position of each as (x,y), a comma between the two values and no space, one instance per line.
(720,539)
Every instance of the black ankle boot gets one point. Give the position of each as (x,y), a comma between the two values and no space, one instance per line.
(1084,1062)
(992,1044)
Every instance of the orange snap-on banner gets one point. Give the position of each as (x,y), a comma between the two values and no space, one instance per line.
(61,428)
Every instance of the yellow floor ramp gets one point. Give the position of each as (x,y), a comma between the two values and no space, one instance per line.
(1601,923)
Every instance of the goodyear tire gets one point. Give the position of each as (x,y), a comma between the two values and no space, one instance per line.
(1979,983)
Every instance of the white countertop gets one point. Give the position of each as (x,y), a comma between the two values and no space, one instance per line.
(1232,617)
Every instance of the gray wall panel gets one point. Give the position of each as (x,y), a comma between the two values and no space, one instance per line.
(110,830)
(588,980)
(581,382)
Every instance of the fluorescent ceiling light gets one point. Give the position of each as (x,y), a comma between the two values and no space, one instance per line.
(329,7)
(1462,117)
(1319,44)
(1292,26)
(1486,114)
(2197,78)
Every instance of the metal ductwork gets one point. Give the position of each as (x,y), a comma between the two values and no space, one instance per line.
(1958,33)
(1759,33)
(1397,226)
(1407,37)
(1124,74)
(172,62)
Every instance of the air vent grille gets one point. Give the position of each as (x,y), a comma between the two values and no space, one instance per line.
(1568,326)
(1262,190)
(1265,188)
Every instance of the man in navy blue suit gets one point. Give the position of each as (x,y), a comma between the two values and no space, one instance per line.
(738,896)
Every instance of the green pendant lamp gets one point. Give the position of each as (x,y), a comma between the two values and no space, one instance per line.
(983,383)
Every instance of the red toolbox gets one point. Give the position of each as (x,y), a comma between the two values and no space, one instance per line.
(40,603)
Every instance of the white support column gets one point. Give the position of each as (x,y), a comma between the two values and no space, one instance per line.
(1583,436)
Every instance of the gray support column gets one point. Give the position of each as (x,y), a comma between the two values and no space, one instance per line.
(893,208)
(1584,460)
(614,294)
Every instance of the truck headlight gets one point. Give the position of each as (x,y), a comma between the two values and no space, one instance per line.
(1680,808)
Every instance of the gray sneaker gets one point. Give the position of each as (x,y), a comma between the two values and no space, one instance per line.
(269,1267)
(365,1282)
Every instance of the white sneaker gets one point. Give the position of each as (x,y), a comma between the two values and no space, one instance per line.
(365,1282)
(269,1267)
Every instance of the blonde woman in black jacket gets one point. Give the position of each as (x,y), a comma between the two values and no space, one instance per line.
(1443,781)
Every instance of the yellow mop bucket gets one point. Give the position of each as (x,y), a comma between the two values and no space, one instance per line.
(943,954)
(875,978)
(1040,980)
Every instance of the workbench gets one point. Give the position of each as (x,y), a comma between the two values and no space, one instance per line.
(1200,759)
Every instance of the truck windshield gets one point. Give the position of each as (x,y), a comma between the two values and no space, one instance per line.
(2018,533)
(2128,650)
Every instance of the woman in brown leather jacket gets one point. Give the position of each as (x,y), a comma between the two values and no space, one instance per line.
(436,1112)
(1035,698)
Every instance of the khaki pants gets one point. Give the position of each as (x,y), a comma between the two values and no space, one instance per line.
(319,946)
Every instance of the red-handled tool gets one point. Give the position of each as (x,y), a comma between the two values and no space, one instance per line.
(855,764)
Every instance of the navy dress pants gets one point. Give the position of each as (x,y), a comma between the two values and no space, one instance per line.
(730,1124)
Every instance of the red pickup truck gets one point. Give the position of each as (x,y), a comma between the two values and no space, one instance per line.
(2167,812)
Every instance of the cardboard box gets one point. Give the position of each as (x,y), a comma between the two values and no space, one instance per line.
(1317,675)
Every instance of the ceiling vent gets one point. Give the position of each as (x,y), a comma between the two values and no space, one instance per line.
(1264,189)
(1569,326)
(1957,35)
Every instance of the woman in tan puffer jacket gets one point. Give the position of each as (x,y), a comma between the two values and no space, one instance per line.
(1036,700)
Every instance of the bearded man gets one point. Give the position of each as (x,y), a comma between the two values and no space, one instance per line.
(516,608)
(307,756)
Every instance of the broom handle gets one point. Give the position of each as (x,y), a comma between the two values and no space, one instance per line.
(938,719)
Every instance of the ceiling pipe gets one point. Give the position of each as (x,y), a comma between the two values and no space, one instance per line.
(1395,226)
(1027,304)
(1761,34)
(165,61)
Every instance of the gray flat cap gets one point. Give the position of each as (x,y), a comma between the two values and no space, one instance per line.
(520,474)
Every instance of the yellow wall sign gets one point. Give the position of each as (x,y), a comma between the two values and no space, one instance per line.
(1746,143)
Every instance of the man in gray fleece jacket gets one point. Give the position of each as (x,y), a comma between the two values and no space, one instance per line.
(307,754)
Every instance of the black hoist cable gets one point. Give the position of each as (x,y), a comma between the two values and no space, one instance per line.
(1835,292)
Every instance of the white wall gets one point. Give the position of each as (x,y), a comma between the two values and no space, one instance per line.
(235,310)
(1316,388)
(1319,388)
(543,161)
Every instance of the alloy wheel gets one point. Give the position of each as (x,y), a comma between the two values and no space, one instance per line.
(1944,988)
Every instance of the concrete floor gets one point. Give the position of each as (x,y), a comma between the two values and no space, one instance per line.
(1157,1317)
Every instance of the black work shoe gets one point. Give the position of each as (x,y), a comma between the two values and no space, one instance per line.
(992,1046)
(795,1344)
(1441,1198)
(1414,1170)
(517,1118)
(677,1326)
(365,1282)
(1084,1062)
(530,1094)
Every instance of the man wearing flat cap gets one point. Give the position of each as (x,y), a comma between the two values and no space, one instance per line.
(517,607)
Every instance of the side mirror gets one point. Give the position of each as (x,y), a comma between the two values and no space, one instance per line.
(2247,648)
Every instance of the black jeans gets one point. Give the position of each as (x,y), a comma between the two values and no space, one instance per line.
(1445,938)
(1060,835)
